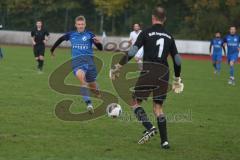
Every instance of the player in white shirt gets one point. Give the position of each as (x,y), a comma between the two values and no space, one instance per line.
(133,37)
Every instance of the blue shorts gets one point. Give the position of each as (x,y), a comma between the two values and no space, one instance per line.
(89,70)
(217,57)
(232,57)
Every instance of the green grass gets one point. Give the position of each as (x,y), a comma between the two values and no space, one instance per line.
(29,128)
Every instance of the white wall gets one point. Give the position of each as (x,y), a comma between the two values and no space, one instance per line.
(23,38)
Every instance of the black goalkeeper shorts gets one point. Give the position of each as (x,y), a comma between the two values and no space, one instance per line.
(153,79)
(39,50)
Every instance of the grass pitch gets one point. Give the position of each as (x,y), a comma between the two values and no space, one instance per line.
(203,121)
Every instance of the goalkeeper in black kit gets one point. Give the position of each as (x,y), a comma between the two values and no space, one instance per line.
(154,77)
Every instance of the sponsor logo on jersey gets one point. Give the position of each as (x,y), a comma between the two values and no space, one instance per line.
(84,38)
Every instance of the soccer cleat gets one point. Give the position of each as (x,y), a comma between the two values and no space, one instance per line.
(165,145)
(231,81)
(40,71)
(90,108)
(147,135)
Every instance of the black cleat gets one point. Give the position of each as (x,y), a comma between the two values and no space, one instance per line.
(147,135)
(165,145)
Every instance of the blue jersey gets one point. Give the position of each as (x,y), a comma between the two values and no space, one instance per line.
(217,44)
(82,52)
(81,43)
(233,42)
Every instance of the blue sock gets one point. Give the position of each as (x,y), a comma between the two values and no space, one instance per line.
(85,94)
(231,71)
(1,55)
(218,66)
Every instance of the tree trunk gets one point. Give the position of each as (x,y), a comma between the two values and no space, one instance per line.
(113,25)
(66,20)
(101,23)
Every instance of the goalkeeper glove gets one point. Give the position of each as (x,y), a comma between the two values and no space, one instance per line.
(177,85)
(115,71)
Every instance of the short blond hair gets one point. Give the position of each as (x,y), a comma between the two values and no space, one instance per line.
(80,18)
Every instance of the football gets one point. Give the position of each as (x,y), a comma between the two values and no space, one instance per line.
(114,110)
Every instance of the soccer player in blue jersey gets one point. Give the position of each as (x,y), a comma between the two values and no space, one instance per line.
(216,47)
(1,55)
(82,58)
(232,41)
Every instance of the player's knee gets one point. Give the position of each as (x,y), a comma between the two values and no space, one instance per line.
(81,78)
(158,113)
(231,63)
(41,57)
(136,103)
(178,59)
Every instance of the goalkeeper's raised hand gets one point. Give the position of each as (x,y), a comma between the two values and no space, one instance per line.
(177,85)
(115,71)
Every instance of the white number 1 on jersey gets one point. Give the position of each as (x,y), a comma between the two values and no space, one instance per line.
(160,42)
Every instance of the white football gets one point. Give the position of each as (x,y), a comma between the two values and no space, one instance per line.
(114,110)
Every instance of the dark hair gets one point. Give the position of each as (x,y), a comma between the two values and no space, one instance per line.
(137,24)
(159,13)
(218,32)
(39,21)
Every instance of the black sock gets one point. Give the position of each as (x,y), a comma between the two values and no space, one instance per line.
(38,61)
(215,65)
(162,126)
(142,116)
(40,64)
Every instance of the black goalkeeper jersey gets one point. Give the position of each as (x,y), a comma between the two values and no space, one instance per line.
(157,44)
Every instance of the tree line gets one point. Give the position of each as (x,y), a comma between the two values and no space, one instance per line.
(186,19)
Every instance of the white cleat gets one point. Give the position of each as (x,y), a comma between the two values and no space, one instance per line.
(40,72)
(231,82)
(90,108)
(165,145)
(147,135)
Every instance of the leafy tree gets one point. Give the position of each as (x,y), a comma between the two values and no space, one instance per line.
(111,8)
(186,19)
